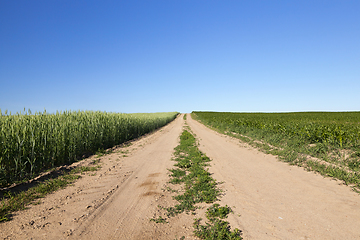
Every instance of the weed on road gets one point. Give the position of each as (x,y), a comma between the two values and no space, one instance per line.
(198,187)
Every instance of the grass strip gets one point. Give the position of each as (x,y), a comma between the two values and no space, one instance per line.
(19,201)
(198,184)
(198,187)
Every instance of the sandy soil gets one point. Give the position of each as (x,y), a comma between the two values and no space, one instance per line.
(276,200)
(271,199)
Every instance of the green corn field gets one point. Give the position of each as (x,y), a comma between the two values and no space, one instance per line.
(339,129)
(32,143)
(330,136)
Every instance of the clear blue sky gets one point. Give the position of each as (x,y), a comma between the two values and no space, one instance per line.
(180,55)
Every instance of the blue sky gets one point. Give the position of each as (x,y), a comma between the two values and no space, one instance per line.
(180,55)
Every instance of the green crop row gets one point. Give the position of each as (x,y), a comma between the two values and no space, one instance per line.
(32,143)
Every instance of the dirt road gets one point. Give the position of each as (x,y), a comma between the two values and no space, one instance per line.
(276,200)
(271,199)
(116,203)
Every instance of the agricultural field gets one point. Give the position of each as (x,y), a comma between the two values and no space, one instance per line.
(327,142)
(188,181)
(32,143)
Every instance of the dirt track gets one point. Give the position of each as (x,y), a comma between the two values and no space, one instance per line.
(274,200)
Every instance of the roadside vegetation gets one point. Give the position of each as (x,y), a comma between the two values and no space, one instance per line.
(198,187)
(12,202)
(326,142)
(33,143)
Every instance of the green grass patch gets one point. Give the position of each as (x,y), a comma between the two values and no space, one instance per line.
(198,184)
(216,227)
(198,187)
(349,178)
